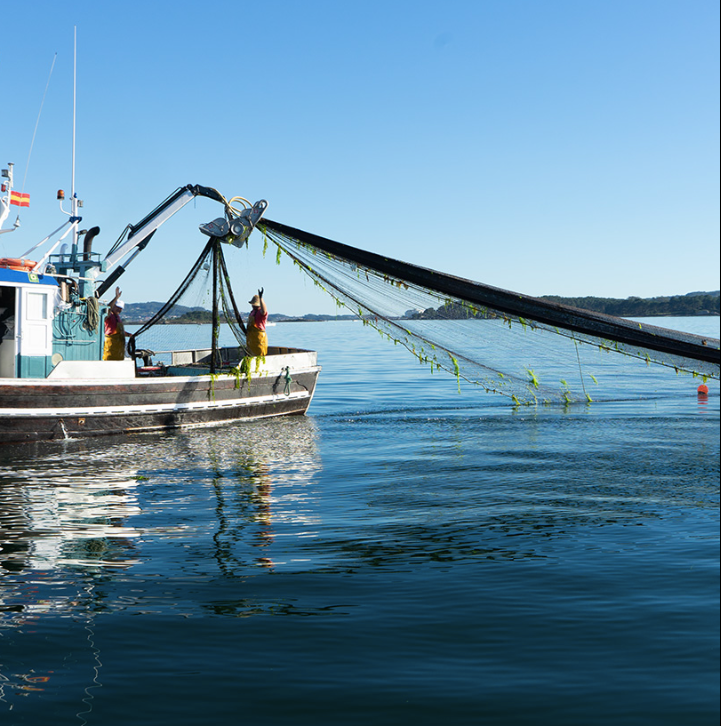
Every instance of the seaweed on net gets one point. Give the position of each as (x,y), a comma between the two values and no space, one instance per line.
(204,296)
(528,349)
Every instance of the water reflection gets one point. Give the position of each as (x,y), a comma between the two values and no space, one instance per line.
(260,478)
(247,499)
(63,514)
(60,512)
(201,511)
(87,506)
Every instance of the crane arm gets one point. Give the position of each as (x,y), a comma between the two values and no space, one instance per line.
(142,231)
(235,231)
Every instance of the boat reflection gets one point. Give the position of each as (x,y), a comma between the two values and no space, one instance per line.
(200,510)
(64,518)
(54,517)
(260,479)
(75,506)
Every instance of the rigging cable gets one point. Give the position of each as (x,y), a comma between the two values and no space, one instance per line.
(32,142)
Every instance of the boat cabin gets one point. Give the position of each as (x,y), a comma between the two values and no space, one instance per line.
(44,319)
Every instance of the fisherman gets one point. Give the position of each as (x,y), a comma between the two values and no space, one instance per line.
(115,330)
(256,338)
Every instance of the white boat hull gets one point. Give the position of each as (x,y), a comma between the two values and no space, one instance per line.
(100,398)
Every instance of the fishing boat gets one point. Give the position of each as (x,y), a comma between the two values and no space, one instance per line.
(54,382)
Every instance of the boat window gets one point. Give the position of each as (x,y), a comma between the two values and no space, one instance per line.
(37,308)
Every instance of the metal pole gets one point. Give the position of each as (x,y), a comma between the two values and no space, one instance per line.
(74,201)
(214,346)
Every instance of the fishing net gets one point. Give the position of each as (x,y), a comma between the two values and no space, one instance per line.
(205,297)
(530,350)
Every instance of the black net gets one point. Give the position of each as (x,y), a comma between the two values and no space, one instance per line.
(204,298)
(531,350)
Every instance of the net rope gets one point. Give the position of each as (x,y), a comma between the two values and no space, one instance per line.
(192,303)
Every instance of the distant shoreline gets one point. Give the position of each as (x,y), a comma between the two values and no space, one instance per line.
(346,318)
(689,305)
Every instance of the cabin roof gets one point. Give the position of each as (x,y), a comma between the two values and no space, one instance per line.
(16,277)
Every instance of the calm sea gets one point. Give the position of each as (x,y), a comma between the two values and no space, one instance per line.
(404,554)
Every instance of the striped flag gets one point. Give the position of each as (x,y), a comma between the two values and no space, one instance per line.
(21,200)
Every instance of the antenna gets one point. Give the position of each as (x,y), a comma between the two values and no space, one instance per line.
(37,123)
(74,200)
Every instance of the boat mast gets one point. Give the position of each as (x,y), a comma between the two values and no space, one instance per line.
(73,196)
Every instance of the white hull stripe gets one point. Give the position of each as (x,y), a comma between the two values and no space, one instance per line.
(146,382)
(151,408)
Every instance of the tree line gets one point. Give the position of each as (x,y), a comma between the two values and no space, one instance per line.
(636,307)
(632,307)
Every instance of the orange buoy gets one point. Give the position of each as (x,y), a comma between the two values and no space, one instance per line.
(22,265)
(702,390)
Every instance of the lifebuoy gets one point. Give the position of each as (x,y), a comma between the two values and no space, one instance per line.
(13,264)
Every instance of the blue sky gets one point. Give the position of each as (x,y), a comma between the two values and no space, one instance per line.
(564,147)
